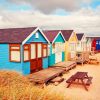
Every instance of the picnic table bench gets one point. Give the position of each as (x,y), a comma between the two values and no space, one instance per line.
(82,76)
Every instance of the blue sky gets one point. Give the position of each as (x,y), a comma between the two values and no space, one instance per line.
(79,15)
(13,6)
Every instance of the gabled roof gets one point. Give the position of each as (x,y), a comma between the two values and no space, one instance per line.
(51,34)
(15,35)
(79,36)
(67,34)
(94,37)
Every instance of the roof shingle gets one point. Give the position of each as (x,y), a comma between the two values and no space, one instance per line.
(51,34)
(15,35)
(66,34)
(79,35)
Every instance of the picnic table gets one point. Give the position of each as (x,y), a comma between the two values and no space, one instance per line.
(80,76)
(93,60)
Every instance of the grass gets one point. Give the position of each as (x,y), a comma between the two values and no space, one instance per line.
(14,86)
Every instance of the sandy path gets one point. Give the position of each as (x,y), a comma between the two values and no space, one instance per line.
(77,92)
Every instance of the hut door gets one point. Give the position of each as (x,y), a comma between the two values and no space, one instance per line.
(36,57)
(58,54)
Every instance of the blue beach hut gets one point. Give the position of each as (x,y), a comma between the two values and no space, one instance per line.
(23,49)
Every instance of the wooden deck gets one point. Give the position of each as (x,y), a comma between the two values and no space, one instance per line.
(66,65)
(44,76)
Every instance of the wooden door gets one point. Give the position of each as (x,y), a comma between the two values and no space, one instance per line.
(58,57)
(36,57)
(58,54)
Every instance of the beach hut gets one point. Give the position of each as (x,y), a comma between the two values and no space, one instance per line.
(70,44)
(56,48)
(98,45)
(89,43)
(81,45)
(23,49)
(94,42)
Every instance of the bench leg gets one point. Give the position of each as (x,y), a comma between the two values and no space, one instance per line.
(69,85)
(44,85)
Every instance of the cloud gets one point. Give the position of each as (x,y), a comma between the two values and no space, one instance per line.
(84,20)
(48,6)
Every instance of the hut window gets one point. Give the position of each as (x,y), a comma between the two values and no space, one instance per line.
(26,52)
(14,52)
(45,49)
(72,46)
(48,50)
(36,35)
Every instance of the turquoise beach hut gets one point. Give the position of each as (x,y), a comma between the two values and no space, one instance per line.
(24,50)
(56,49)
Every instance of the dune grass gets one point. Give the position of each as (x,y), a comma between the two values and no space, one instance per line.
(14,86)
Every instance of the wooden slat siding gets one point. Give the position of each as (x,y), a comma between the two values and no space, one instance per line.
(40,39)
(4,60)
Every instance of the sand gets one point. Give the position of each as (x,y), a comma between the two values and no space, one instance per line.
(78,92)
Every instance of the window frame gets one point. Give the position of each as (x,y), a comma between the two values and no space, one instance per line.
(10,49)
(28,49)
(44,46)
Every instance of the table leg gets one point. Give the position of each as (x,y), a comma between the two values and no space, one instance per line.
(84,85)
(70,84)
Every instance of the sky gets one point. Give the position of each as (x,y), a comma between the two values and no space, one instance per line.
(83,16)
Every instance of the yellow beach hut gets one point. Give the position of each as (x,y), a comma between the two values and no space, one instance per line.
(70,44)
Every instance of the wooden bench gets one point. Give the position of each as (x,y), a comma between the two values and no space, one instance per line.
(89,81)
(70,79)
(57,80)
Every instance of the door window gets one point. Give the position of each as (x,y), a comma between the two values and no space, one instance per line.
(39,50)
(33,51)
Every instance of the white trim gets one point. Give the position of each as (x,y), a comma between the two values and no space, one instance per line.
(34,33)
(62,35)
(44,35)
(84,37)
(57,36)
(71,35)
